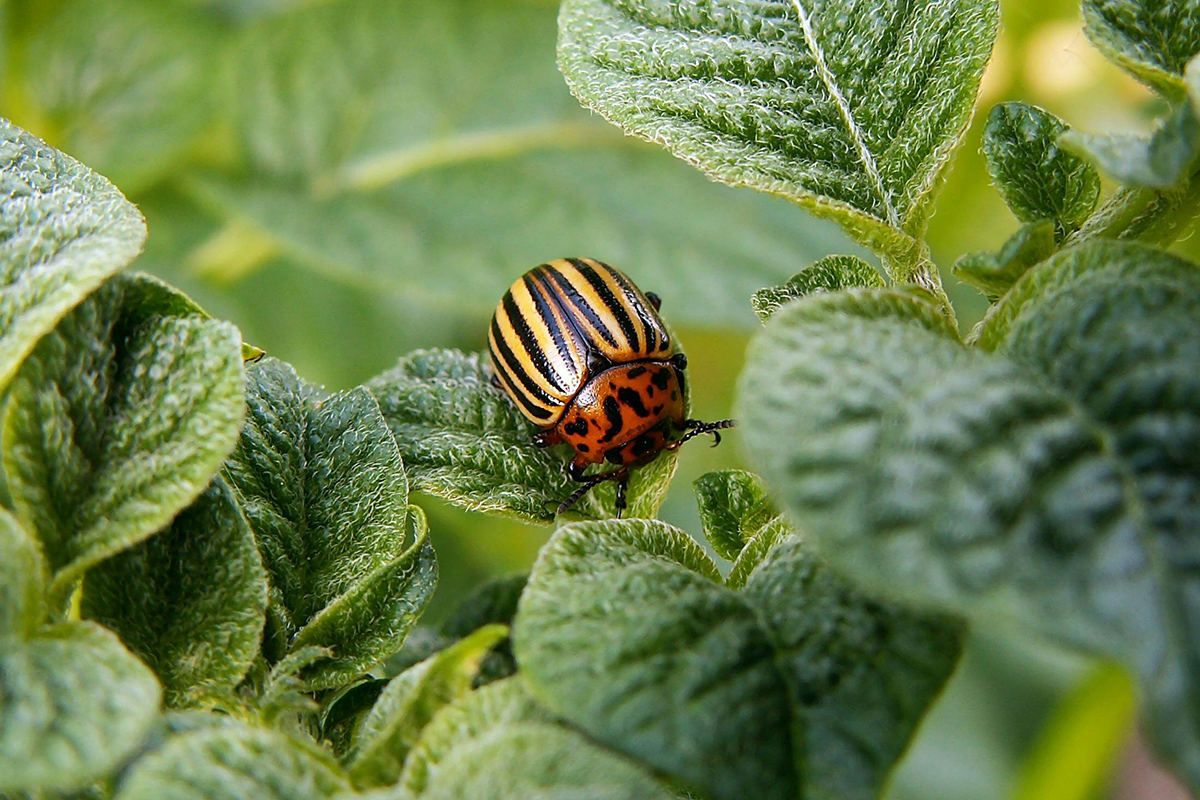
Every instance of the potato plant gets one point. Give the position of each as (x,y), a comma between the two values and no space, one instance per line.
(212,570)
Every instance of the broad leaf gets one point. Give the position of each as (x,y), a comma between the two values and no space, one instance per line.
(994,273)
(73,704)
(733,508)
(1037,178)
(625,631)
(464,440)
(410,701)
(117,421)
(376,159)
(470,717)
(126,84)
(22,579)
(190,601)
(63,230)
(234,763)
(325,491)
(827,275)
(1164,160)
(1114,325)
(1152,39)
(849,109)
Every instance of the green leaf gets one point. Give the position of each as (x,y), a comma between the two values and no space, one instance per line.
(343,710)
(73,704)
(826,275)
(464,440)
(410,701)
(22,579)
(995,273)
(797,686)
(862,673)
(1164,160)
(470,717)
(125,84)
(325,491)
(849,110)
(190,601)
(117,421)
(1151,39)
(377,160)
(63,230)
(756,550)
(1037,178)
(493,602)
(234,763)
(1114,326)
(734,507)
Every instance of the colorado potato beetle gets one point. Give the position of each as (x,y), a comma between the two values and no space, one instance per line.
(583,354)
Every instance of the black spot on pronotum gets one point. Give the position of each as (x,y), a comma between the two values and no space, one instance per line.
(657,409)
(662,378)
(637,372)
(612,410)
(576,427)
(583,448)
(632,399)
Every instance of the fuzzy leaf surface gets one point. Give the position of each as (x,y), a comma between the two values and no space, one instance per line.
(850,109)
(234,763)
(464,440)
(22,579)
(73,703)
(733,508)
(410,701)
(1164,160)
(117,421)
(829,274)
(1151,39)
(63,230)
(126,84)
(191,601)
(1037,178)
(995,273)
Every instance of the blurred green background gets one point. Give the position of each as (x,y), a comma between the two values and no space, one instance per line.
(348,181)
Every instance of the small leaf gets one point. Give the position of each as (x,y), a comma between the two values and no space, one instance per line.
(343,710)
(464,440)
(470,717)
(826,275)
(63,230)
(851,111)
(494,602)
(1163,161)
(1037,178)
(734,507)
(22,579)
(234,763)
(994,273)
(410,701)
(117,421)
(73,704)
(756,550)
(1152,40)
(325,491)
(126,84)
(190,601)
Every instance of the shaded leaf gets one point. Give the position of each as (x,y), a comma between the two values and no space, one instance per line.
(1037,178)
(22,579)
(1164,160)
(493,602)
(1152,39)
(994,273)
(73,704)
(190,601)
(342,712)
(63,230)
(117,421)
(325,491)
(410,701)
(464,440)
(849,110)
(733,508)
(126,84)
(234,763)
(826,275)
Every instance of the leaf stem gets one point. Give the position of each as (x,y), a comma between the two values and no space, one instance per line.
(915,266)
(1148,215)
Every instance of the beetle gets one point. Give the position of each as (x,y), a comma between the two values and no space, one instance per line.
(584,356)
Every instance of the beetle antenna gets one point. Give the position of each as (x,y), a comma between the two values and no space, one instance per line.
(695,428)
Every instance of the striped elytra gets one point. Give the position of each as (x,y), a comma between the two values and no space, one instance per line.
(583,354)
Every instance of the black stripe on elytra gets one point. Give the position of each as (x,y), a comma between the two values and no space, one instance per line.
(506,359)
(656,334)
(529,341)
(612,410)
(542,304)
(615,306)
(581,306)
(632,399)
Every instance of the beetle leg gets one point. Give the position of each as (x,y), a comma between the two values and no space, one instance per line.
(495,380)
(622,487)
(547,438)
(590,481)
